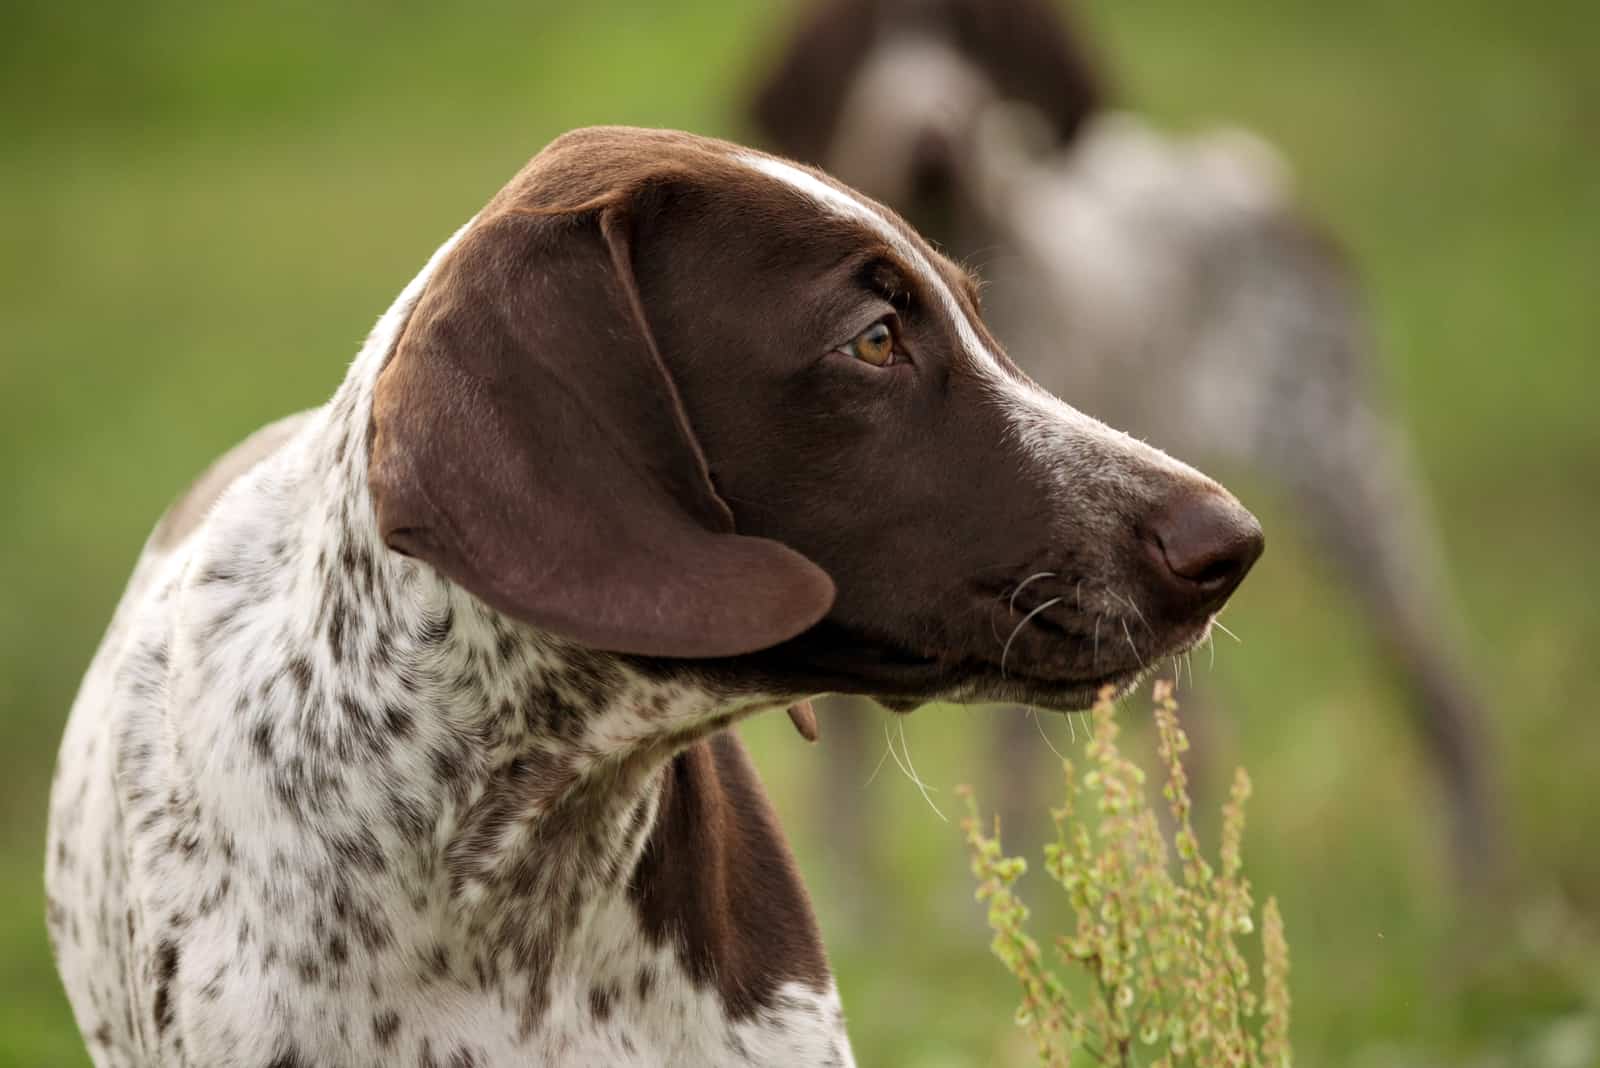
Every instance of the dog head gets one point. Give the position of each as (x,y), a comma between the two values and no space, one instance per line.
(671,398)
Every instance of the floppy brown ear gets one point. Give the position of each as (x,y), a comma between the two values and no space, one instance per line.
(531,445)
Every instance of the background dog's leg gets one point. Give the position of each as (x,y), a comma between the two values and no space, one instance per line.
(1350,470)
(1375,530)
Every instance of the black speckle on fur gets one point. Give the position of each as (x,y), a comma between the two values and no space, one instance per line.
(300,671)
(289,1058)
(385,1026)
(166,972)
(307,968)
(397,721)
(356,715)
(361,850)
(261,740)
(601,998)
(338,613)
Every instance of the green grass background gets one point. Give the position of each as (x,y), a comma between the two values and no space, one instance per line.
(203,207)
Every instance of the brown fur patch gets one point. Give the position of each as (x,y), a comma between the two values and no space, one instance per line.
(718,879)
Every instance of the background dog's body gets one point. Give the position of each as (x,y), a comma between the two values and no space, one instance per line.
(1169,285)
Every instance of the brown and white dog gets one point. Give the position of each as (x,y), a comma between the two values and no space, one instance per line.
(407,744)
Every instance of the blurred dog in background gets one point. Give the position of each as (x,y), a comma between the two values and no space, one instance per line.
(1166,285)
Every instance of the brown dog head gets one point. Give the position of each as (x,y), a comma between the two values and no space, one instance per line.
(673,398)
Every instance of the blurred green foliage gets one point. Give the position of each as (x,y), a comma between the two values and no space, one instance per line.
(204,207)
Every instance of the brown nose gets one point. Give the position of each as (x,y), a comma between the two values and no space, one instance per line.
(1203,543)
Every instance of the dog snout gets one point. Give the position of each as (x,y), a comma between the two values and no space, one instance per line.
(1202,543)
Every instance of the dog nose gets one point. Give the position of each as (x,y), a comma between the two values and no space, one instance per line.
(1204,543)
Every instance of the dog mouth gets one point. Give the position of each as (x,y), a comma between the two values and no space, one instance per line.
(1070,676)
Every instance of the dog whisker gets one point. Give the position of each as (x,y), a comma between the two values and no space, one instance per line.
(879,766)
(1095,666)
(1039,726)
(1018,630)
(1128,634)
(908,769)
(1024,585)
(1129,601)
(1218,624)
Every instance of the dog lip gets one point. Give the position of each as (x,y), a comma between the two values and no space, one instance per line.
(931,673)
(900,676)
(982,678)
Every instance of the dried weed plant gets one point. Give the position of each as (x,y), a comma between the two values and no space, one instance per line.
(1157,936)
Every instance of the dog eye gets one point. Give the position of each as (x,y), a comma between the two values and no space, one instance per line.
(874,345)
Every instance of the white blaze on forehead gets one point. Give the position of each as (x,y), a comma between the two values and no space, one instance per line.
(842,203)
(1047,428)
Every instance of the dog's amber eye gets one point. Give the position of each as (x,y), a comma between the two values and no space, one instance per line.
(874,345)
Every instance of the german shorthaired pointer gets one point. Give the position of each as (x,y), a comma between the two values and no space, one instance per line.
(407,744)
(1131,269)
